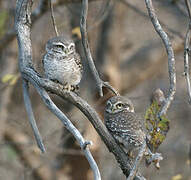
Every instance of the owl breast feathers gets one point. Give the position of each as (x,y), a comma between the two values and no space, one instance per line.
(123,123)
(61,61)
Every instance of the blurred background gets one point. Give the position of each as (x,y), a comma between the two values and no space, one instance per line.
(128,53)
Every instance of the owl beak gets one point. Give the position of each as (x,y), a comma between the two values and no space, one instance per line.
(113,109)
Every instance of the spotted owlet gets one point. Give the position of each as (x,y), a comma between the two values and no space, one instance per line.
(124,124)
(62,63)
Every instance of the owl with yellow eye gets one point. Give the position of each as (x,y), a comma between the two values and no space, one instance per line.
(62,63)
(124,124)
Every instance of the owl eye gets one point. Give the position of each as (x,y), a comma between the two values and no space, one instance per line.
(119,105)
(71,47)
(60,47)
(108,104)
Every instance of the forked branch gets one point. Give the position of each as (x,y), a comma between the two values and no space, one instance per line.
(83,28)
(22,26)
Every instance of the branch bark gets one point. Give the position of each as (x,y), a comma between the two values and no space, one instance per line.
(187,50)
(83,28)
(170,54)
(22,25)
(32,120)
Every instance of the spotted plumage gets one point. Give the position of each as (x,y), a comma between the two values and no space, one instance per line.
(62,63)
(123,123)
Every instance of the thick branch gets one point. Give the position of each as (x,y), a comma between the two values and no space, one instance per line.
(125,163)
(67,123)
(22,26)
(25,63)
(170,53)
(83,28)
(187,50)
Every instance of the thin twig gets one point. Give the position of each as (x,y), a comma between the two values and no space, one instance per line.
(83,28)
(31,116)
(53,18)
(137,161)
(187,50)
(37,13)
(170,53)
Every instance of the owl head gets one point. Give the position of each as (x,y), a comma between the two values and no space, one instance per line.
(61,45)
(118,104)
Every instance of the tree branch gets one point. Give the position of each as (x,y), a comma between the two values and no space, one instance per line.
(22,26)
(67,123)
(137,161)
(170,53)
(187,50)
(53,18)
(31,116)
(83,28)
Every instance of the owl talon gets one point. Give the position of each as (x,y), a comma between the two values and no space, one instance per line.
(56,81)
(70,88)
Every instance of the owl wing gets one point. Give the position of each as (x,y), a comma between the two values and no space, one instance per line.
(78,61)
(131,125)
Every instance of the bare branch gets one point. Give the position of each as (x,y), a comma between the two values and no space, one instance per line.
(188,6)
(83,28)
(170,53)
(22,26)
(137,162)
(31,116)
(53,18)
(125,163)
(186,51)
(37,13)
(67,123)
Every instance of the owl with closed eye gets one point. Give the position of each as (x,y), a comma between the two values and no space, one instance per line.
(124,124)
(62,63)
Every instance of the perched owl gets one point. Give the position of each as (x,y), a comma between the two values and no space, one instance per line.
(62,63)
(124,124)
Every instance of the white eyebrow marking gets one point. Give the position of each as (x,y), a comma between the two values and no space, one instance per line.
(109,103)
(59,43)
(72,44)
